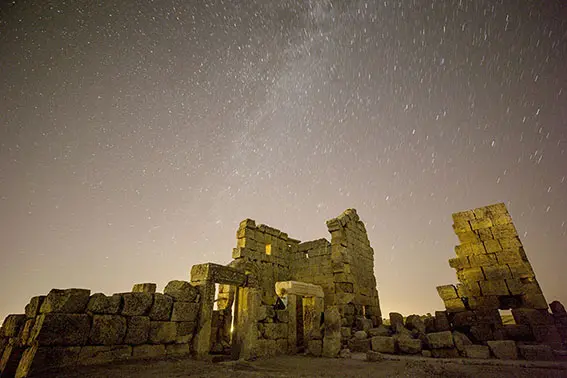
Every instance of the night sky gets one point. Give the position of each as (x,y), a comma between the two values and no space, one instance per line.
(134,136)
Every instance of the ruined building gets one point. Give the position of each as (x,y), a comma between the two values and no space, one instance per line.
(282,296)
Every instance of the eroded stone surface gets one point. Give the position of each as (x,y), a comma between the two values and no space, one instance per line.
(181,291)
(67,301)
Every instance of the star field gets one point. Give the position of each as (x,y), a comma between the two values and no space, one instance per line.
(135,137)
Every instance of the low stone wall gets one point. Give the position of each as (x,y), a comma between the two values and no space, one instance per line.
(72,327)
(272,331)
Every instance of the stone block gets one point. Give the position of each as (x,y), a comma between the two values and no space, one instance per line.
(511,244)
(408,345)
(441,321)
(492,246)
(10,358)
(346,332)
(459,263)
(36,360)
(521,269)
(485,234)
(532,317)
(463,216)
(548,334)
(461,341)
(185,312)
(481,333)
(381,330)
(438,340)
(477,351)
(477,224)
(315,347)
(144,288)
(148,351)
(518,332)
(103,304)
(494,288)
(185,331)
(181,291)
(162,332)
(359,345)
(137,304)
(536,301)
(484,303)
(26,332)
(536,352)
(282,316)
(445,353)
(461,226)
(67,301)
(107,330)
(468,237)
(13,324)
(177,349)
(504,349)
(32,308)
(501,231)
(161,307)
(557,308)
(274,331)
(415,322)
(488,259)
(396,318)
(454,305)
(447,292)
(463,319)
(373,356)
(497,272)
(331,346)
(138,330)
(363,323)
(360,335)
(471,275)
(426,353)
(383,344)
(56,329)
(282,347)
(96,355)
(217,273)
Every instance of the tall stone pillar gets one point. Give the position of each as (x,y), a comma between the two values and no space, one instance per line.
(312,310)
(249,301)
(202,339)
(292,323)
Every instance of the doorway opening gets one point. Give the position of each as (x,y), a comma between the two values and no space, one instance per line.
(222,327)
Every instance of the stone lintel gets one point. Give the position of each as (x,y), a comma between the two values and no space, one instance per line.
(299,288)
(216,273)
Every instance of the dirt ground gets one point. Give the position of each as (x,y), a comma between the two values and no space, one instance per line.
(300,366)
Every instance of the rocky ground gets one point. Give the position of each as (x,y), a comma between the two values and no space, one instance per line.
(300,366)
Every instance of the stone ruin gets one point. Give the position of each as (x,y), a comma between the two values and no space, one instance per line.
(283,296)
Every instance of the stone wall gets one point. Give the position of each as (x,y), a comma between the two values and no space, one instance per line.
(311,263)
(72,327)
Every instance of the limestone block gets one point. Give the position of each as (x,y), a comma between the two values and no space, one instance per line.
(518,332)
(37,359)
(438,340)
(282,346)
(3,344)
(144,288)
(483,260)
(468,237)
(107,330)
(102,304)
(472,274)
(463,319)
(395,319)
(383,344)
(488,317)
(494,287)
(504,349)
(536,301)
(185,312)
(162,332)
(485,234)
(426,353)
(510,244)
(482,332)
(181,291)
(148,351)
(445,353)
(346,332)
(360,335)
(26,332)
(548,334)
(363,324)
(477,351)
(298,288)
(477,224)
(138,330)
(55,329)
(536,352)
(557,308)
(532,317)
(372,356)
(13,324)
(345,353)
(485,302)
(501,231)
(177,349)
(265,348)
(274,331)
(462,226)
(315,347)
(95,355)
(10,358)
(509,257)
(282,316)
(497,272)
(461,341)
(463,216)
(454,305)
(441,321)
(408,345)
(137,304)
(459,263)
(68,301)
(185,332)
(381,330)
(447,292)
(359,345)
(217,273)
(463,250)
(161,307)
(492,246)
(32,308)
(520,270)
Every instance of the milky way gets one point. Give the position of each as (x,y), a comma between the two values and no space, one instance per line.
(135,136)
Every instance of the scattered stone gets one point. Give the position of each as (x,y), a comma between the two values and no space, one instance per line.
(162,332)
(94,355)
(438,340)
(461,340)
(345,353)
(441,321)
(504,349)
(408,345)
(138,330)
(32,308)
(144,288)
(137,304)
(68,301)
(536,352)
(360,335)
(107,330)
(148,351)
(383,344)
(372,356)
(476,351)
(161,307)
(381,330)
(103,304)
(13,324)
(55,329)
(415,322)
(185,312)
(181,291)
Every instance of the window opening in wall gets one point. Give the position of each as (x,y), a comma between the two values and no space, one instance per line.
(268,249)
